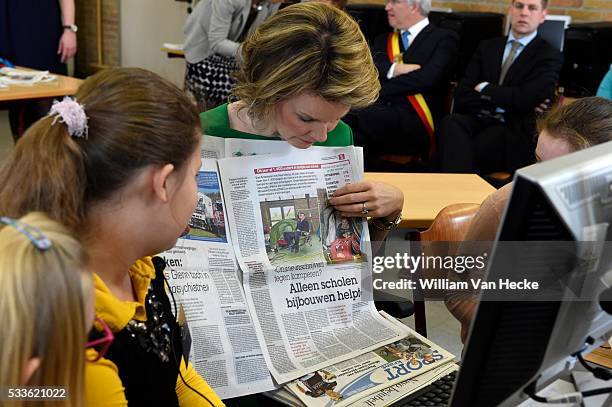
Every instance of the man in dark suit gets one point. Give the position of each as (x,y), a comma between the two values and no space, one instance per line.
(493,127)
(415,65)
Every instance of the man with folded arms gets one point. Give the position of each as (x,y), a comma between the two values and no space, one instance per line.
(415,64)
(508,78)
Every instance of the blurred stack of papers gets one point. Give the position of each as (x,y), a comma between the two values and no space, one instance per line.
(14,76)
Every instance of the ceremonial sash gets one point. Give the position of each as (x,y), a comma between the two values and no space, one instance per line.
(417,101)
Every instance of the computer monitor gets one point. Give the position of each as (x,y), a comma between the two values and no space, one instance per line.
(555,230)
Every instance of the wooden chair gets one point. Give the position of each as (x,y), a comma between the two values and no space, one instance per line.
(441,239)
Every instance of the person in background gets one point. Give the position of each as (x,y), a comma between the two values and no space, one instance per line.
(415,65)
(605,87)
(344,229)
(302,227)
(46,303)
(118,165)
(213,34)
(39,35)
(303,69)
(579,125)
(492,126)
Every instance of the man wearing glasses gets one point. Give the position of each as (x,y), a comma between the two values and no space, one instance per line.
(415,63)
(495,103)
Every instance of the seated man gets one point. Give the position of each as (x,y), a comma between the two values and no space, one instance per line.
(302,227)
(495,102)
(414,65)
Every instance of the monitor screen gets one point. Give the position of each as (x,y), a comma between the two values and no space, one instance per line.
(555,232)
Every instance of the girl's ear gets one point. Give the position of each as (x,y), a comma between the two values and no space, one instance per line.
(160,181)
(29,369)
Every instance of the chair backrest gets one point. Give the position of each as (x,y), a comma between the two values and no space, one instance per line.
(553,29)
(444,237)
(451,223)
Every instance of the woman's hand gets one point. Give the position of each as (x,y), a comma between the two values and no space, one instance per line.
(67,46)
(381,200)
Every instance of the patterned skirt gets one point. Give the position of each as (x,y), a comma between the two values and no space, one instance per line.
(210,80)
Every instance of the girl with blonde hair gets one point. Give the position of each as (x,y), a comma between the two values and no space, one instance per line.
(46,303)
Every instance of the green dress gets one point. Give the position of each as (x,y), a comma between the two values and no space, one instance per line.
(215,122)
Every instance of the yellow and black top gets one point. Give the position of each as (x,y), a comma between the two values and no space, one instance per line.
(140,367)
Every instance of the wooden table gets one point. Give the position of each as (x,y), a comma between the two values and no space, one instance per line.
(426,194)
(173,53)
(62,86)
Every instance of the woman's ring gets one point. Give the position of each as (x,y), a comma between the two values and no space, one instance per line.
(364,210)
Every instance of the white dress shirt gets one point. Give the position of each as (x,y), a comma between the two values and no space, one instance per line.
(414,31)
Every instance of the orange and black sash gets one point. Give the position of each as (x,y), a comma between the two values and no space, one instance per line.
(417,101)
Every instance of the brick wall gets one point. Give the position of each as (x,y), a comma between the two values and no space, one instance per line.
(580,10)
(87,56)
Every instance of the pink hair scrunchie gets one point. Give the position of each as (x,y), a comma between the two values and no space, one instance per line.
(72,114)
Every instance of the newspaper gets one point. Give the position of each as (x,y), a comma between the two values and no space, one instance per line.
(201,270)
(218,147)
(382,397)
(15,76)
(398,391)
(305,271)
(358,378)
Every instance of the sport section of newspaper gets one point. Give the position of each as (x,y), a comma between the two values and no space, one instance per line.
(383,397)
(367,375)
(203,278)
(305,271)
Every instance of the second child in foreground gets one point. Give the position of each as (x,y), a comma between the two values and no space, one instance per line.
(118,166)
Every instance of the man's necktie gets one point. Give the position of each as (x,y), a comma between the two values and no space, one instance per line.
(508,61)
(405,40)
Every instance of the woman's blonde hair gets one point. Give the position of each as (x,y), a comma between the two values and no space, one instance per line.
(306,47)
(43,294)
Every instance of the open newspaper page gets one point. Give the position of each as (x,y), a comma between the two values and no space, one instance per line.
(358,378)
(306,274)
(202,273)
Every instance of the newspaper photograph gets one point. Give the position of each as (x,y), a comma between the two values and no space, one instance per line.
(355,379)
(203,278)
(305,271)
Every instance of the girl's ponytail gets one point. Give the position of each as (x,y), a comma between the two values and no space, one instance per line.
(45,172)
